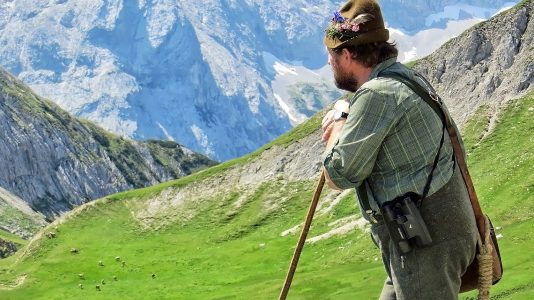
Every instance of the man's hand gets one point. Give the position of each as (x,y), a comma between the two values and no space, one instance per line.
(331,130)
(327,125)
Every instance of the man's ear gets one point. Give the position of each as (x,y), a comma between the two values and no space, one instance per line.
(346,54)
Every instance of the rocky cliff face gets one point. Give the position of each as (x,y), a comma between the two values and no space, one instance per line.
(139,68)
(55,162)
(489,64)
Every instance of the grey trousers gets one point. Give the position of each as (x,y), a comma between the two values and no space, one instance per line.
(434,271)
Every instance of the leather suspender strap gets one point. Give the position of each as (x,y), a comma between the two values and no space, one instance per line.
(435,103)
(479,216)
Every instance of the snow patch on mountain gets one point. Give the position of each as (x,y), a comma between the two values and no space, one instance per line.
(283,70)
(460,11)
(412,47)
(287,110)
(289,78)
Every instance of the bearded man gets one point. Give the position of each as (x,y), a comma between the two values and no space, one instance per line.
(392,147)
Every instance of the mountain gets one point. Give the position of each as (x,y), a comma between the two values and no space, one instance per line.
(228,232)
(55,162)
(204,74)
(496,64)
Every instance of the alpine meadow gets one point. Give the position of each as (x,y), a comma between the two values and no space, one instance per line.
(180,240)
(229,230)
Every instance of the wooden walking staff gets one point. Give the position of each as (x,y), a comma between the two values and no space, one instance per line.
(302,238)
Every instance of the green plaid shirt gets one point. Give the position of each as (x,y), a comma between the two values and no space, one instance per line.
(390,141)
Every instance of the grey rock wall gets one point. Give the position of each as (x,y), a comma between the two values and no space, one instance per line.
(490,63)
(55,162)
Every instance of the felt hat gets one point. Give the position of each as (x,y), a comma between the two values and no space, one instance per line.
(357,22)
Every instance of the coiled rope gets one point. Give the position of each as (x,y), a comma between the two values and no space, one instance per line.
(485,265)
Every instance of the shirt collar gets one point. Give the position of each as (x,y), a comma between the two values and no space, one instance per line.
(382,66)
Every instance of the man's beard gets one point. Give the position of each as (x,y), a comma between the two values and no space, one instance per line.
(345,81)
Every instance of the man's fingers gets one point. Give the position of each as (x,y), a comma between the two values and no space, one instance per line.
(327,124)
(328,117)
(327,132)
(327,120)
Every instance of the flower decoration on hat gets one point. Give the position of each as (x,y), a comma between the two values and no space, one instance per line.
(344,28)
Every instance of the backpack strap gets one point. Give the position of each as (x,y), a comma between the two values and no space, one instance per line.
(432,99)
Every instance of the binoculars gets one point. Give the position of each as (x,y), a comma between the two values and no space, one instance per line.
(405,224)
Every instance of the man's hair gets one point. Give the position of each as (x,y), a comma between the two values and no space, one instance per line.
(371,54)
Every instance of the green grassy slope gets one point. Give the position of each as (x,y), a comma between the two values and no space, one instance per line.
(229,251)
(503,171)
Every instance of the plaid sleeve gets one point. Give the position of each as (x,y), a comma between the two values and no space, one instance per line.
(352,158)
